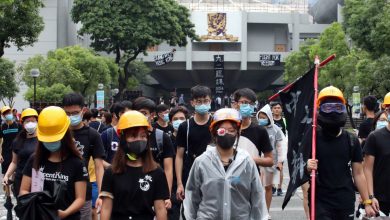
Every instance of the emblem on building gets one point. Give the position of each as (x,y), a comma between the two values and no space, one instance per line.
(217,28)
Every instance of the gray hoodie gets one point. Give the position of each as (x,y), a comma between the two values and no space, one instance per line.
(276,136)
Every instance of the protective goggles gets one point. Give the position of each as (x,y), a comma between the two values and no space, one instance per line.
(332,107)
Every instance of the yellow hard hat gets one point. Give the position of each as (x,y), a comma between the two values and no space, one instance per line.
(131,119)
(28,112)
(52,124)
(226,114)
(5,108)
(330,92)
(386,101)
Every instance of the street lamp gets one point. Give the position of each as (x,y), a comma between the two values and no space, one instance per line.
(35,74)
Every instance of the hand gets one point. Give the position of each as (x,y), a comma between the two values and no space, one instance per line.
(180,192)
(279,166)
(369,211)
(62,214)
(375,205)
(312,165)
(5,180)
(1,159)
(168,204)
(98,205)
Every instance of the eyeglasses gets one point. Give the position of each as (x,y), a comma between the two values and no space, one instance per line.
(204,101)
(73,113)
(332,107)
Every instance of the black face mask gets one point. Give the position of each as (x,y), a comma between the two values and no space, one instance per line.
(331,123)
(227,141)
(135,149)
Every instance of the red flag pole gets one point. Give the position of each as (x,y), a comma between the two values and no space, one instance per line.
(318,65)
(314,144)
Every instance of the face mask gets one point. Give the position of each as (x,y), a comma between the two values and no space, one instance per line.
(202,109)
(176,124)
(135,149)
(227,141)
(246,110)
(75,120)
(331,123)
(30,127)
(381,124)
(263,121)
(52,146)
(166,117)
(9,117)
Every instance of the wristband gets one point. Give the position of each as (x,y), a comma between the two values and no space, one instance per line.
(367,202)
(371,196)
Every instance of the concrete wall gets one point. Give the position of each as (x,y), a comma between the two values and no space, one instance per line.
(263,37)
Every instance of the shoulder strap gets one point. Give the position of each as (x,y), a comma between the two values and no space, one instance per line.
(351,139)
(100,124)
(284,121)
(159,139)
(188,131)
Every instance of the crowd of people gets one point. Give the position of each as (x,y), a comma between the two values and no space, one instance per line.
(142,160)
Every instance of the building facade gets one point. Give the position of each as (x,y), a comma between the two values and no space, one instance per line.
(253,37)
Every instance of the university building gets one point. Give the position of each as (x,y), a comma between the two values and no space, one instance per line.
(242,43)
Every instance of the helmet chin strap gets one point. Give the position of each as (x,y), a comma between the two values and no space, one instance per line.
(132,156)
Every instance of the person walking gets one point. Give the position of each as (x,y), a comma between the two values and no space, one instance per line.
(135,187)
(224,182)
(338,152)
(22,148)
(56,158)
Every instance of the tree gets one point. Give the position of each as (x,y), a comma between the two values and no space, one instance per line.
(20,23)
(8,86)
(140,71)
(48,94)
(80,68)
(368,24)
(129,28)
(340,72)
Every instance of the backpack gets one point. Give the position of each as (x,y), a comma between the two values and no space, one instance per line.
(159,142)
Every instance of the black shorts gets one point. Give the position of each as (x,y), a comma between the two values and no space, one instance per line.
(4,166)
(323,213)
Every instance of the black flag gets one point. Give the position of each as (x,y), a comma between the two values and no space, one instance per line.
(297,105)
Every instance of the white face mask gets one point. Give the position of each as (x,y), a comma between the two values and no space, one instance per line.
(30,127)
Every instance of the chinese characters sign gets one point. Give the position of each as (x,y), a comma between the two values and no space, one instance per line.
(219,74)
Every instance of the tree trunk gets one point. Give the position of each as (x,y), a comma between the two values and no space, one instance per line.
(2,45)
(123,79)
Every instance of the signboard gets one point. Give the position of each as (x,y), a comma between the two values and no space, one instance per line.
(163,59)
(356,106)
(219,68)
(218,27)
(270,59)
(100,99)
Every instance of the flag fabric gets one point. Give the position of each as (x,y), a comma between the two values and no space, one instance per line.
(297,105)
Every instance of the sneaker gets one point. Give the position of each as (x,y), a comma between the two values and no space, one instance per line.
(280,192)
(269,217)
(273,191)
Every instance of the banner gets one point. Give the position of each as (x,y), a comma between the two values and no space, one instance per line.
(219,68)
(298,110)
(100,99)
(163,59)
(356,105)
(270,59)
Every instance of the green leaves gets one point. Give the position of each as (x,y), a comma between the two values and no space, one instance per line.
(8,85)
(368,24)
(49,94)
(20,23)
(79,68)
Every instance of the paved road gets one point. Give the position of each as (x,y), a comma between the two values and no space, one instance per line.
(293,211)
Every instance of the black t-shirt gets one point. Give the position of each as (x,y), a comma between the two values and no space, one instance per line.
(199,137)
(97,125)
(377,145)
(161,152)
(281,124)
(134,192)
(24,150)
(89,143)
(70,171)
(335,187)
(9,133)
(258,135)
(365,128)
(168,129)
